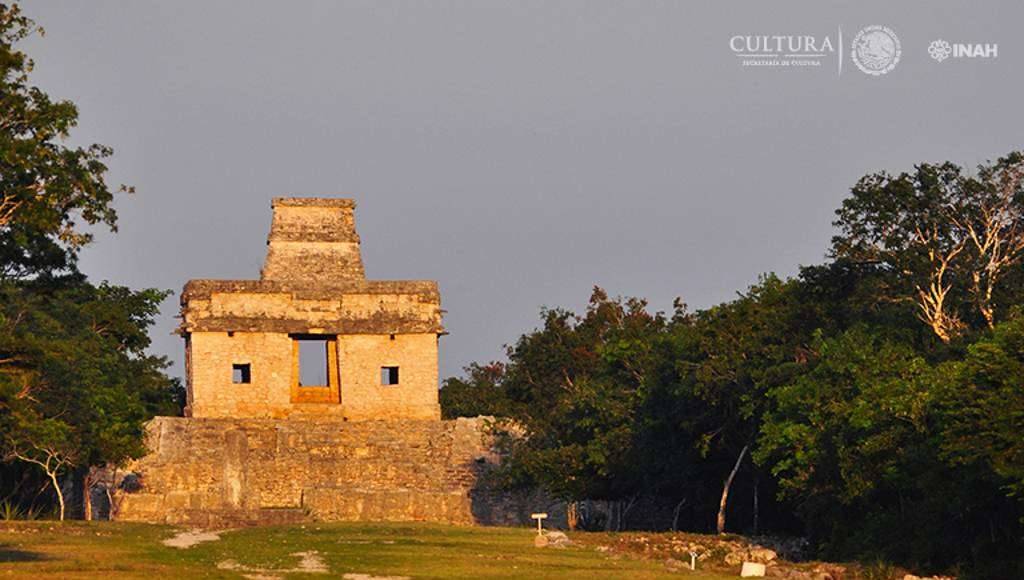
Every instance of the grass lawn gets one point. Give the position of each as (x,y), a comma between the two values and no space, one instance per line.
(122,550)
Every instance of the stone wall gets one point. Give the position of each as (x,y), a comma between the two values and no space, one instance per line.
(313,239)
(226,472)
(350,307)
(271,392)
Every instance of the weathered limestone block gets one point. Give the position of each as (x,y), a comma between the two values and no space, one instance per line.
(313,238)
(752,570)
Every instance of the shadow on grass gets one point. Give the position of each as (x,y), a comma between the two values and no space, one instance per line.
(9,554)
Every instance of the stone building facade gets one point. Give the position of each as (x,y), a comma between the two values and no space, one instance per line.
(313,393)
(372,344)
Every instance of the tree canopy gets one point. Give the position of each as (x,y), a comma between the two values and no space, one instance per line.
(76,382)
(872,403)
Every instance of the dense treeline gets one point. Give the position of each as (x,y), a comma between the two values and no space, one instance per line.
(874,403)
(76,384)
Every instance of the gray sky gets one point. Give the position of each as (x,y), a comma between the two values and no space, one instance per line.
(517,152)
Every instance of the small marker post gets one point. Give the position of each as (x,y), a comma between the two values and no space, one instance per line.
(540,518)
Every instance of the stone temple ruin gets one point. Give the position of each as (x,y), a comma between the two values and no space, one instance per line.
(373,343)
(313,393)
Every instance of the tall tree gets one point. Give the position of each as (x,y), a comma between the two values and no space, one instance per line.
(48,189)
(76,383)
(573,388)
(945,238)
(745,348)
(991,217)
(902,223)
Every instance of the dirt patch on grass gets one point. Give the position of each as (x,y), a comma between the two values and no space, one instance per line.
(309,563)
(187,539)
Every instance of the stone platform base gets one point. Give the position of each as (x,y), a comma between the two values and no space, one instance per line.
(226,472)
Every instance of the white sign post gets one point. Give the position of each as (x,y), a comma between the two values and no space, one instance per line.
(540,518)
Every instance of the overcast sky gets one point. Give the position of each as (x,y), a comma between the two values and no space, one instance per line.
(517,152)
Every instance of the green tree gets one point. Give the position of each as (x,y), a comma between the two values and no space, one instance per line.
(947,240)
(842,426)
(76,383)
(48,189)
(709,390)
(572,390)
(984,406)
(856,444)
(478,393)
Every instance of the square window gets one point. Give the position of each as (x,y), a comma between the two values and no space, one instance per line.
(313,362)
(241,374)
(389,375)
(315,369)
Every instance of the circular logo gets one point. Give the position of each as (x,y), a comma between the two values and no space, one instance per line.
(876,50)
(939,50)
